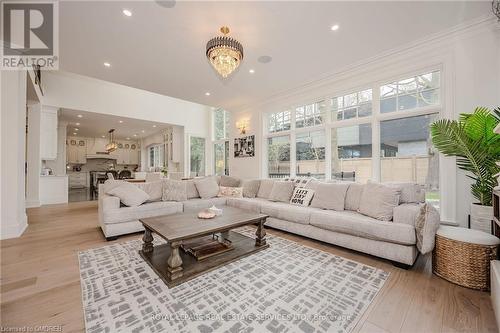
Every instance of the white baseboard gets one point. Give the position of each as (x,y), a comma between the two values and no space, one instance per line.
(32,203)
(14,229)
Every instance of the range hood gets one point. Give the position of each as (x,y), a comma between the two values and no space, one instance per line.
(101,154)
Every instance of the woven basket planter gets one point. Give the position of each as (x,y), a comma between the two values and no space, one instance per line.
(465,264)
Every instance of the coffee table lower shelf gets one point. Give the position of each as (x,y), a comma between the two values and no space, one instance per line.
(191,267)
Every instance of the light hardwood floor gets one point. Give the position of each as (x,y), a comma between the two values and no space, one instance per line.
(40,282)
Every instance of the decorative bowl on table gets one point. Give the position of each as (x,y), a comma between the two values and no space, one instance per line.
(206,214)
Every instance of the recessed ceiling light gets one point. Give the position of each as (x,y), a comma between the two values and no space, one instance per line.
(251,71)
(79,116)
(135,134)
(121,121)
(74,133)
(77,124)
(207,94)
(128,138)
(103,136)
(127,12)
(154,125)
(143,131)
(335,27)
(76,129)
(107,64)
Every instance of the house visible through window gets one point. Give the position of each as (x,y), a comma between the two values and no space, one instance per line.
(221,141)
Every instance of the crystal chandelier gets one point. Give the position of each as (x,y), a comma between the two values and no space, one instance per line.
(111,146)
(224,53)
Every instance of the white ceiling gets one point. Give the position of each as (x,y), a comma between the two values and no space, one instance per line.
(96,125)
(163,49)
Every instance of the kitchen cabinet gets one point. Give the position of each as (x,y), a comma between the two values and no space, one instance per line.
(78,179)
(76,151)
(48,133)
(128,154)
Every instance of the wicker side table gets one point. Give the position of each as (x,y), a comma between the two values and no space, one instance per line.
(463,256)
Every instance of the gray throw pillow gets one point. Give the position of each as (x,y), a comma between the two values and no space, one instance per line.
(207,187)
(353,196)
(174,190)
(153,189)
(227,181)
(378,201)
(192,192)
(250,188)
(410,192)
(265,188)
(282,191)
(330,196)
(129,194)
(426,227)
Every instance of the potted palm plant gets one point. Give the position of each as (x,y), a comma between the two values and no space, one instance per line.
(473,141)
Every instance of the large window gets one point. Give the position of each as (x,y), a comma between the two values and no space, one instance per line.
(279,121)
(310,150)
(352,153)
(310,115)
(363,136)
(278,156)
(197,156)
(221,141)
(414,92)
(355,105)
(156,157)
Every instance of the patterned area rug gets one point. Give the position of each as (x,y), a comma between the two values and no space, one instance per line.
(285,288)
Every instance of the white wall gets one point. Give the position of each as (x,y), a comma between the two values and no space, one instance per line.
(13,122)
(470,60)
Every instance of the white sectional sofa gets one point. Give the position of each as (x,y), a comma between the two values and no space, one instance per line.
(393,240)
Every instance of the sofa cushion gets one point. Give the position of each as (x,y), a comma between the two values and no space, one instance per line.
(356,224)
(207,187)
(285,211)
(251,204)
(406,213)
(426,226)
(129,194)
(353,196)
(301,196)
(410,192)
(282,191)
(250,188)
(378,201)
(151,209)
(265,188)
(227,181)
(330,196)
(191,190)
(195,205)
(174,190)
(153,189)
(234,192)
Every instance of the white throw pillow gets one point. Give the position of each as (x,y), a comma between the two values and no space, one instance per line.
(330,196)
(153,189)
(282,191)
(265,188)
(378,201)
(426,227)
(231,192)
(192,192)
(250,188)
(410,192)
(227,181)
(129,194)
(301,196)
(353,196)
(207,187)
(174,190)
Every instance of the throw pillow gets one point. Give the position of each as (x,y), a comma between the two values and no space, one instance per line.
(330,196)
(353,196)
(192,192)
(299,181)
(301,196)
(207,187)
(410,192)
(227,181)
(129,194)
(265,188)
(174,190)
(232,192)
(378,201)
(282,191)
(250,188)
(426,227)
(153,189)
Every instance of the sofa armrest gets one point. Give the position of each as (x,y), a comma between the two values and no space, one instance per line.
(406,213)
(107,202)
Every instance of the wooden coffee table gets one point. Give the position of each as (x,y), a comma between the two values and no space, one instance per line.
(174,265)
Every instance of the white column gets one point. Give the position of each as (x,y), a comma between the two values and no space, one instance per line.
(33,157)
(376,161)
(13,138)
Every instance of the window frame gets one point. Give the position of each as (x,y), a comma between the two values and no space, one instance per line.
(224,141)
